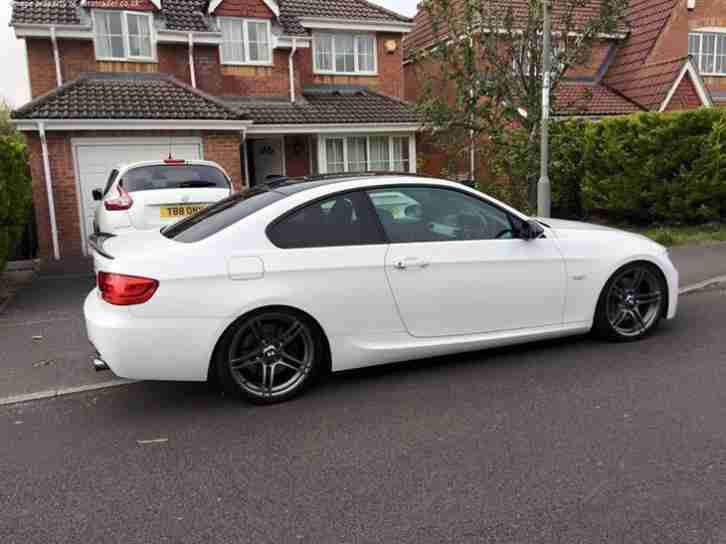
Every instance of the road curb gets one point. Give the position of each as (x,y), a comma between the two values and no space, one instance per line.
(702,285)
(18,399)
(41,395)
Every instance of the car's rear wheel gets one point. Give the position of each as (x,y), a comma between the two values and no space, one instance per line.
(270,356)
(631,304)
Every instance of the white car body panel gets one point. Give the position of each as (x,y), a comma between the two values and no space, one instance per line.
(539,289)
(472,287)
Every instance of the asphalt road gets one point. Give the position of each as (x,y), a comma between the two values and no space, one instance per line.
(567,441)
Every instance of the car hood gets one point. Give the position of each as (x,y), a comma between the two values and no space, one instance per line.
(562,224)
(564,229)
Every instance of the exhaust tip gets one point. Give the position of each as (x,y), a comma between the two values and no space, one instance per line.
(99,364)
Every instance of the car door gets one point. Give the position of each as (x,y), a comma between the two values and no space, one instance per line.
(330,262)
(456,266)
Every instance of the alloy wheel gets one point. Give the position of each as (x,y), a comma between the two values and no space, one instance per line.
(271,354)
(634,301)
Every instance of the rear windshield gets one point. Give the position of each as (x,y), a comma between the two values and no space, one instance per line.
(167,176)
(221,215)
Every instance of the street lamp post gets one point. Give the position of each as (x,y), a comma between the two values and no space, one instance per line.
(543,186)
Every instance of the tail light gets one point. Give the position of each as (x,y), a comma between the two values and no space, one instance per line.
(122,202)
(122,290)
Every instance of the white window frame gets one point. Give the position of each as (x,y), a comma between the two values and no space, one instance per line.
(718,34)
(125,33)
(355,35)
(246,42)
(322,149)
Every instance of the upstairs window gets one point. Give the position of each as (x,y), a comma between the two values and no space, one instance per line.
(709,51)
(343,53)
(123,35)
(245,41)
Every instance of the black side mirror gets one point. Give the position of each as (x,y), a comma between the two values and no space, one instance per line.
(530,230)
(97,195)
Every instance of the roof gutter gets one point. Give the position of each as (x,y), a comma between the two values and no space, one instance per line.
(337,128)
(56,56)
(31,125)
(292,70)
(49,190)
(371,25)
(32,30)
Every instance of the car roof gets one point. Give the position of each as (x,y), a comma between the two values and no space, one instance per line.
(294,186)
(162,162)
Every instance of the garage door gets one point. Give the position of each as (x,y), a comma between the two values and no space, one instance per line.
(96,158)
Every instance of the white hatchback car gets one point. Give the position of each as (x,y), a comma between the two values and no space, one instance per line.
(265,289)
(152,194)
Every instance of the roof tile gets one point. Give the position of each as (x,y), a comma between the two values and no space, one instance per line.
(331,105)
(43,12)
(591,99)
(186,15)
(126,96)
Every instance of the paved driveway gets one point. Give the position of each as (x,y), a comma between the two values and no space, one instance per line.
(44,344)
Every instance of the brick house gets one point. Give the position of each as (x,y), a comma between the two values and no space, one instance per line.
(668,55)
(263,87)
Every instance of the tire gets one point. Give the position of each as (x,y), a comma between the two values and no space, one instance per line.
(631,304)
(270,356)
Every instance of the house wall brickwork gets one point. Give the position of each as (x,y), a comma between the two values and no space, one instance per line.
(224,149)
(673,42)
(78,56)
(388,81)
(244,8)
(220,147)
(686,96)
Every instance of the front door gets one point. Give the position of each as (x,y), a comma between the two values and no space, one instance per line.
(267,159)
(456,267)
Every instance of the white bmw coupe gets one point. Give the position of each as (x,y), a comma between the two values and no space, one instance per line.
(266,289)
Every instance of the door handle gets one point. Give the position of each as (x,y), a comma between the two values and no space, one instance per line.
(410,262)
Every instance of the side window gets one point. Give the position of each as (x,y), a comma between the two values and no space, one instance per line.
(343,220)
(431,214)
(109,183)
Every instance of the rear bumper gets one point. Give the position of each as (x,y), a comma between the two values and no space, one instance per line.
(149,349)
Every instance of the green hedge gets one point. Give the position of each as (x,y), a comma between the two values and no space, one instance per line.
(15,194)
(645,168)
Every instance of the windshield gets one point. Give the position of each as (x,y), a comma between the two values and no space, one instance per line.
(167,176)
(221,215)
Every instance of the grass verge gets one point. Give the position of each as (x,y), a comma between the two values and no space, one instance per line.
(678,235)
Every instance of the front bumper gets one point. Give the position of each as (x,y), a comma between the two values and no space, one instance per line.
(672,278)
(149,349)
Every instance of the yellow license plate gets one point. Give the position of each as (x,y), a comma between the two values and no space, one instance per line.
(177,212)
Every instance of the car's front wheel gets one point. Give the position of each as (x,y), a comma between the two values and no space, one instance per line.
(631,304)
(270,356)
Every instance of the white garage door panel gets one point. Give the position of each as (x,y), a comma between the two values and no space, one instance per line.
(95,160)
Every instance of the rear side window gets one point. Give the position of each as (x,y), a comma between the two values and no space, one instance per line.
(343,220)
(167,176)
(221,215)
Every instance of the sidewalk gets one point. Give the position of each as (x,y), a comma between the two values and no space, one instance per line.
(43,344)
(697,263)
